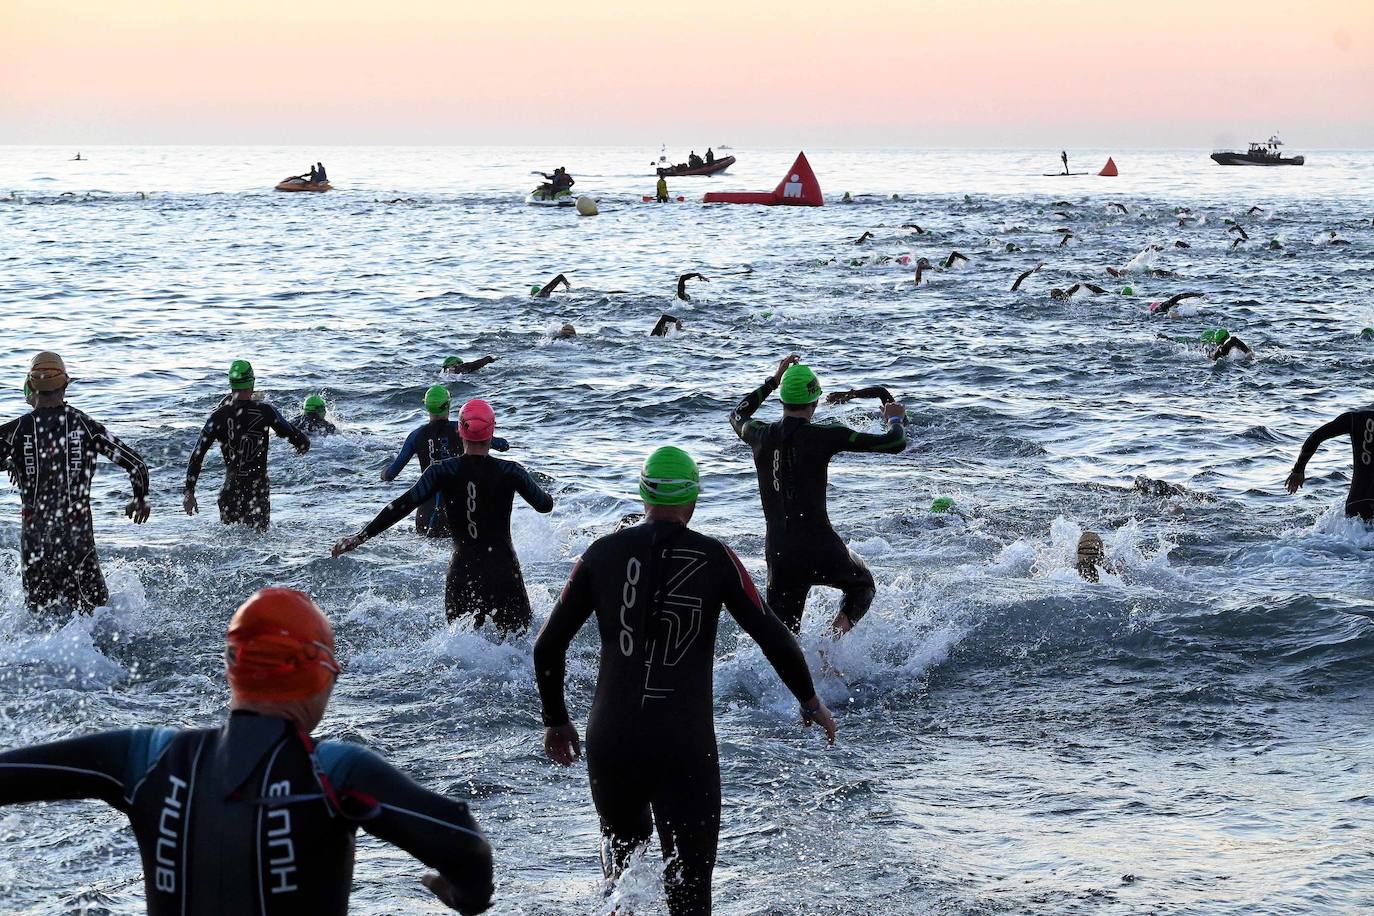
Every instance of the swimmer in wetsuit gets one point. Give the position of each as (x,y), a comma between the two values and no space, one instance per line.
(792,457)
(682,285)
(1163,308)
(543,292)
(455,365)
(656,589)
(665,321)
(254,818)
(241,426)
(1359,426)
(51,456)
(477,490)
(312,421)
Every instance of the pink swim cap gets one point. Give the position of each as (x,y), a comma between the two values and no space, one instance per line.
(1154,307)
(476,421)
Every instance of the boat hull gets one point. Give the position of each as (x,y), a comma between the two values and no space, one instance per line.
(1245,159)
(715,168)
(316,186)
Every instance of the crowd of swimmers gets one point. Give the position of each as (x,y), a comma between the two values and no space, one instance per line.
(261,816)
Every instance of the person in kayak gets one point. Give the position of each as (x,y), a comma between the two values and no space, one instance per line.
(312,420)
(484,577)
(657,589)
(661,189)
(241,426)
(682,284)
(664,322)
(792,458)
(543,292)
(253,817)
(51,456)
(455,365)
(1359,426)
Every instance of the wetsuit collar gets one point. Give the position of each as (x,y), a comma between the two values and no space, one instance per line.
(244,740)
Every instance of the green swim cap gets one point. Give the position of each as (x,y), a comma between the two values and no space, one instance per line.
(436,400)
(942,504)
(452,361)
(669,478)
(314,404)
(240,375)
(534,290)
(1127,291)
(1216,336)
(1367,334)
(799,386)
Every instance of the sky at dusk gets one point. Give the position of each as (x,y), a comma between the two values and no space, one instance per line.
(766,72)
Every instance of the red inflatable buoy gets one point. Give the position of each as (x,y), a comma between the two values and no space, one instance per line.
(1108,170)
(798,188)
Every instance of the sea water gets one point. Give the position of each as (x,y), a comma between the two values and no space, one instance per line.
(1189,735)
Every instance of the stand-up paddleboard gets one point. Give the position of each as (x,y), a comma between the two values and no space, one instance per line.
(1063,174)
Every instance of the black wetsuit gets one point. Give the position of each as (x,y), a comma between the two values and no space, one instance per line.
(51,456)
(243,820)
(477,492)
(241,426)
(1359,426)
(792,457)
(312,425)
(657,589)
(428,443)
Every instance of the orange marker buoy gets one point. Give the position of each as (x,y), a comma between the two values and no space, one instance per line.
(1108,170)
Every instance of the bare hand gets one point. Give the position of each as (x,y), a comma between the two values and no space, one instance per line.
(562,745)
(1295,481)
(893,410)
(442,888)
(824,719)
(383,475)
(841,624)
(138,510)
(188,502)
(787,363)
(351,542)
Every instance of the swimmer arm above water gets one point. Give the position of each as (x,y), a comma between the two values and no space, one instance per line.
(661,327)
(1175,300)
(682,285)
(873,391)
(547,288)
(1021,279)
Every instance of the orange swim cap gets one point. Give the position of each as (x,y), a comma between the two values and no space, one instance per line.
(281,647)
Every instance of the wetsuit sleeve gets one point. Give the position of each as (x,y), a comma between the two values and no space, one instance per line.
(121,455)
(844,439)
(777,642)
(282,427)
(209,434)
(95,766)
(874,391)
(747,429)
(437,830)
(1337,427)
(538,498)
(572,609)
(407,452)
(429,483)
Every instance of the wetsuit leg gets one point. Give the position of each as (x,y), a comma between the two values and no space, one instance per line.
(248,503)
(795,572)
(686,805)
(496,589)
(787,593)
(850,575)
(622,803)
(1360,508)
(64,576)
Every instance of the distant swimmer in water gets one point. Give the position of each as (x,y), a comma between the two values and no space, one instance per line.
(1121,207)
(1181,244)
(792,457)
(917,229)
(682,284)
(1254,210)
(242,426)
(954,258)
(1064,295)
(1359,426)
(656,590)
(1066,235)
(253,816)
(456,365)
(1216,343)
(1333,238)
(1162,488)
(1164,308)
(863,238)
(312,420)
(1091,555)
(478,490)
(51,454)
(543,292)
(1022,279)
(664,322)
(565,332)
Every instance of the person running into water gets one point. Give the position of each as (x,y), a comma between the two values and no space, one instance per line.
(1359,426)
(477,490)
(657,589)
(431,442)
(455,365)
(253,817)
(792,457)
(241,426)
(312,420)
(543,292)
(51,455)
(682,284)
